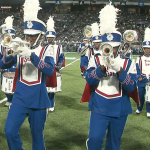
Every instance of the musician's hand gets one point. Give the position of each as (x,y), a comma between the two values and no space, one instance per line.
(58,67)
(114,65)
(140,79)
(24,51)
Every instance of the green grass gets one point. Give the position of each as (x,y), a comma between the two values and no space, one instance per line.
(67,128)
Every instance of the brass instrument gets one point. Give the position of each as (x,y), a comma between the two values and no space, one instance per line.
(107,49)
(11,44)
(129,37)
(87,31)
(82,51)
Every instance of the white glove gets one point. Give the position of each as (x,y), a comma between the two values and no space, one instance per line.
(114,65)
(24,51)
(13,46)
(105,61)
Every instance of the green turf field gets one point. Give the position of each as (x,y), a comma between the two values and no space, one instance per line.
(67,128)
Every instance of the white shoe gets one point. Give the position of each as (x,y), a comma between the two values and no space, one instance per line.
(7,104)
(148,114)
(51,109)
(137,111)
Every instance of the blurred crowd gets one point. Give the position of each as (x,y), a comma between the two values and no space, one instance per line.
(69,24)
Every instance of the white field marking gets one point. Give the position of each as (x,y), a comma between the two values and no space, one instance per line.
(3,100)
(69,64)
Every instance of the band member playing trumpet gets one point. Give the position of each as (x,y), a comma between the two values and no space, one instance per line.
(58,58)
(143,73)
(109,102)
(5,50)
(30,98)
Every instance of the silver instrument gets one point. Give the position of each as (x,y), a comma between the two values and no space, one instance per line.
(11,44)
(107,49)
(82,51)
(129,37)
(87,31)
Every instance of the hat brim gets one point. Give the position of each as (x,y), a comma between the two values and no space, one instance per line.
(50,36)
(32,32)
(97,41)
(114,44)
(146,46)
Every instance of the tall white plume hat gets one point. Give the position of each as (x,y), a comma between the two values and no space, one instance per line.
(146,42)
(32,25)
(108,30)
(9,25)
(95,33)
(50,27)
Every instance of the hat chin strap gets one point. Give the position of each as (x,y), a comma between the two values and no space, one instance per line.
(37,39)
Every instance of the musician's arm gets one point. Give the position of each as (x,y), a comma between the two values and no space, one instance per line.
(94,75)
(127,80)
(46,66)
(139,77)
(8,62)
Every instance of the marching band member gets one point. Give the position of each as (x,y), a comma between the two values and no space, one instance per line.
(30,98)
(8,29)
(82,51)
(143,72)
(96,39)
(109,102)
(58,56)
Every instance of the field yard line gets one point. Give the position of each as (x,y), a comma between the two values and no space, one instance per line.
(3,100)
(70,64)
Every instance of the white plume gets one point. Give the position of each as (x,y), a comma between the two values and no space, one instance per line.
(31,8)
(95,29)
(9,22)
(147,34)
(108,19)
(50,24)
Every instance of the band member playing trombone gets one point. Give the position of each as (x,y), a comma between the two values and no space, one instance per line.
(30,98)
(143,74)
(108,74)
(58,57)
(5,50)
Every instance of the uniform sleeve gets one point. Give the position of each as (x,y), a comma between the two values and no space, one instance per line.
(46,66)
(93,73)
(61,58)
(138,69)
(8,62)
(128,81)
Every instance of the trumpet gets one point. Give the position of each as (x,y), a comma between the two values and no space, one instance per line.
(7,41)
(107,50)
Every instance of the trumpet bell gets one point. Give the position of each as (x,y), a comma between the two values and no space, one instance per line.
(6,39)
(87,31)
(130,36)
(107,49)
